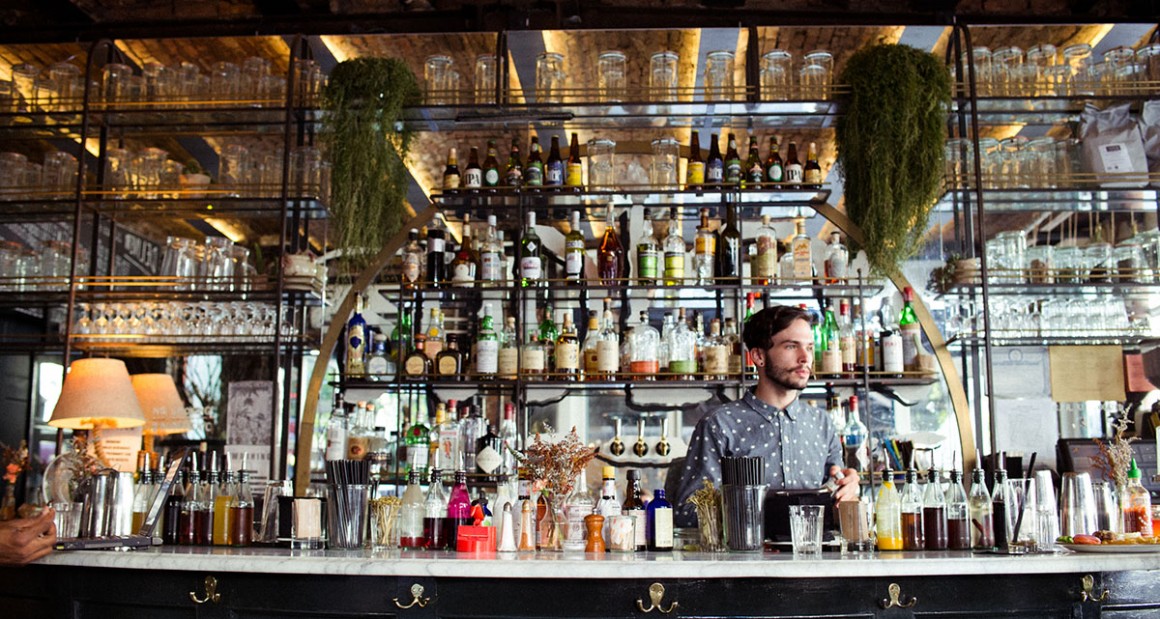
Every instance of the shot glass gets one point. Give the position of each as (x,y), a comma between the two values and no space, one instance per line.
(664,79)
(550,77)
(612,67)
(805,524)
(719,76)
(776,66)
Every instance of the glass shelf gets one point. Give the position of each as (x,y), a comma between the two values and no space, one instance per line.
(140,346)
(1083,337)
(623,382)
(1050,110)
(1073,199)
(686,290)
(1054,289)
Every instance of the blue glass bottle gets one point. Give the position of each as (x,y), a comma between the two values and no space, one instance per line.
(659,522)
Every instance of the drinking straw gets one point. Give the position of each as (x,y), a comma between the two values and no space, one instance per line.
(1026,489)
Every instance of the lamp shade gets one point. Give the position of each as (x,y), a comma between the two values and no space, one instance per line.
(97,393)
(163,408)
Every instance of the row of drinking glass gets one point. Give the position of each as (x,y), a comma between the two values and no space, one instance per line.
(1041,71)
(173,321)
(1016,162)
(252,83)
(218,264)
(23,268)
(1101,316)
(1135,260)
(813,78)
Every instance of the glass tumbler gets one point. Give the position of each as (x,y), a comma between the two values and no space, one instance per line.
(232,164)
(1022,514)
(1040,58)
(719,76)
(1099,263)
(70,87)
(665,166)
(601,164)
(225,82)
(59,172)
(1040,264)
(24,85)
(612,69)
(1148,57)
(217,263)
(984,75)
(1121,69)
(816,74)
(663,78)
(12,167)
(1040,157)
(485,70)
(118,169)
(115,83)
(1007,67)
(550,77)
(1070,267)
(1078,57)
(436,70)
(1131,266)
(776,65)
(180,260)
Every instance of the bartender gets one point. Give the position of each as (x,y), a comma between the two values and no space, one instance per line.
(798,442)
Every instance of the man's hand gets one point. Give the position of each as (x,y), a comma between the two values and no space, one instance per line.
(847,486)
(25,540)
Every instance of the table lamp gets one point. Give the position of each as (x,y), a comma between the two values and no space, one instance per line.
(163,408)
(97,394)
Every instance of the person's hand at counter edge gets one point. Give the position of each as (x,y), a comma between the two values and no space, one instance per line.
(25,540)
(847,486)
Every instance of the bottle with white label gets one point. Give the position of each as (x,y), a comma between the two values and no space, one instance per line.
(802,252)
(488,454)
(574,251)
(837,259)
(486,348)
(336,431)
(890,344)
(509,351)
(531,266)
(659,522)
(609,504)
(490,256)
(634,506)
(608,347)
(568,349)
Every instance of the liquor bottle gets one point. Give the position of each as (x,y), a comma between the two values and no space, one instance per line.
(203,517)
(378,365)
(191,507)
(774,169)
(578,506)
(848,340)
(999,506)
(763,264)
(982,516)
(732,162)
(464,267)
(356,341)
(358,437)
(486,347)
(513,175)
(472,425)
(451,178)
(531,265)
(716,353)
(608,346)
(659,522)
(447,456)
(837,262)
(412,513)
(704,251)
(644,350)
(793,168)
(336,430)
(934,513)
(473,174)
(801,249)
(490,256)
(533,358)
(574,168)
(172,522)
(1137,505)
(435,513)
(889,357)
(682,350)
(534,169)
(436,261)
(832,351)
(674,252)
(509,439)
(448,364)
(695,170)
(667,325)
(508,358)
(728,262)
(221,509)
(912,525)
(434,342)
(634,506)
(608,505)
(591,339)
(736,350)
(143,491)
(610,255)
(785,263)
(812,172)
(416,438)
(714,164)
(491,176)
(568,349)
(909,330)
(549,333)
(458,508)
(754,173)
(412,267)
(864,339)
(648,254)
(554,167)
(855,439)
(888,514)
(241,513)
(488,458)
(958,514)
(417,366)
(574,251)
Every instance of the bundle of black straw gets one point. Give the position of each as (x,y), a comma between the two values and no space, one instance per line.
(743,471)
(348,472)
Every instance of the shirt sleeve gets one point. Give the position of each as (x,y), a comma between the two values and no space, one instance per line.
(703,461)
(833,446)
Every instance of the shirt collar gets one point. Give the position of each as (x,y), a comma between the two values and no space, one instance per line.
(768,411)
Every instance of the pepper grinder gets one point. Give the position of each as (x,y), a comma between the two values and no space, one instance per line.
(595,525)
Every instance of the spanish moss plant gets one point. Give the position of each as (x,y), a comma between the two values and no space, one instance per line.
(890,139)
(367,146)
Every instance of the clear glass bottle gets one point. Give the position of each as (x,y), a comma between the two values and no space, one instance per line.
(486,347)
(241,531)
(888,514)
(855,439)
(488,454)
(934,513)
(591,344)
(221,509)
(982,517)
(674,251)
(610,254)
(1136,504)
(417,442)
(531,265)
(913,532)
(716,353)
(608,347)
(609,504)
(490,256)
(736,350)
(412,271)
(848,340)
(509,440)
(458,508)
(704,251)
(412,512)
(579,504)
(509,351)
(471,426)
(574,251)
(682,346)
(142,493)
(533,359)
(463,266)
(435,513)
(999,507)
(648,255)
(958,514)
(802,252)
(447,455)
(644,349)
(567,363)
(435,341)
(837,263)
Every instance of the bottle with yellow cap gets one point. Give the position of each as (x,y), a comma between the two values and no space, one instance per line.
(609,504)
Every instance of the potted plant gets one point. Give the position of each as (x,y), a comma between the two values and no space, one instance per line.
(194,178)
(890,139)
(367,143)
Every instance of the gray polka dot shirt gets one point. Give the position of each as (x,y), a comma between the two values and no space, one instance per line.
(799,445)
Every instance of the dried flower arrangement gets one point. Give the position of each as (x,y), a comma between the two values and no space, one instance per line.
(1116,455)
(555,466)
(15,461)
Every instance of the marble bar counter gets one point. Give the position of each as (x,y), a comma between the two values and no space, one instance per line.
(261,583)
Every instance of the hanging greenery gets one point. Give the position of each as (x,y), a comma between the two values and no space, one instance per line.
(367,146)
(890,139)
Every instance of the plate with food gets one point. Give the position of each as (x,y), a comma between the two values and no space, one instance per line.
(1108,542)
(1112,547)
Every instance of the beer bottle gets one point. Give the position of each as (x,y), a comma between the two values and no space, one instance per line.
(514,175)
(754,170)
(451,173)
(491,167)
(793,167)
(812,173)
(574,169)
(554,168)
(774,170)
(714,165)
(732,162)
(473,174)
(695,172)
(534,170)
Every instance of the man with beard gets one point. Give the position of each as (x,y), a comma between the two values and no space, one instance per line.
(799,442)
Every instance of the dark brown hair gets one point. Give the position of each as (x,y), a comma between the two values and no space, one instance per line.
(761,327)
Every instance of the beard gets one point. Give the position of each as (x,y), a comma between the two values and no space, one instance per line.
(785,377)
